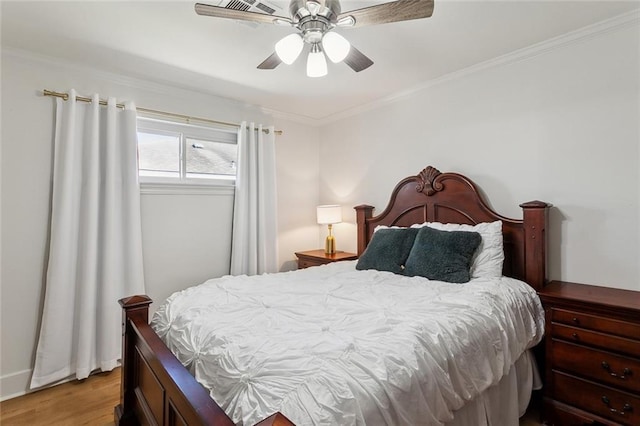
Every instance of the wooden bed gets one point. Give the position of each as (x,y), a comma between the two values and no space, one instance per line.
(157,389)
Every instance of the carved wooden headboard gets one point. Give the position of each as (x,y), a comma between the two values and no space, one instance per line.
(432,196)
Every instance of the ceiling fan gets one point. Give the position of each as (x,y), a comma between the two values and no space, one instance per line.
(315,21)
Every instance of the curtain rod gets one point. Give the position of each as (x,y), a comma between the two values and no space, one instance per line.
(187,118)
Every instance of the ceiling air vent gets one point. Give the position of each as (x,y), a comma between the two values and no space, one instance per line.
(265,8)
(238,5)
(260,6)
(257,6)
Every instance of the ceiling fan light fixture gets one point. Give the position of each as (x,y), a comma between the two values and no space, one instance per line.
(316,62)
(313,19)
(313,7)
(289,48)
(335,46)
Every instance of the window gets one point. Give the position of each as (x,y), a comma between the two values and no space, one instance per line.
(176,153)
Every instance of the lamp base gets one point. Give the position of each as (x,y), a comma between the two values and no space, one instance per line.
(330,245)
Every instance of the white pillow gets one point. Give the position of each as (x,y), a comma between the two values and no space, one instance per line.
(489,257)
(377,228)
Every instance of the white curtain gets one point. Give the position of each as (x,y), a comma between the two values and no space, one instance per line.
(254,241)
(95,252)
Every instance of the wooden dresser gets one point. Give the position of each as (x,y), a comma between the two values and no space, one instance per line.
(592,347)
(318,257)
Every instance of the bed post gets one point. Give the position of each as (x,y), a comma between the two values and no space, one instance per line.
(535,214)
(363,212)
(134,307)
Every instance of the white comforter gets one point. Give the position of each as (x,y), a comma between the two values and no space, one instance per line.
(335,346)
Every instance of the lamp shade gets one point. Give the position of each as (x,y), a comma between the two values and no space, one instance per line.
(329,214)
(316,62)
(335,46)
(289,48)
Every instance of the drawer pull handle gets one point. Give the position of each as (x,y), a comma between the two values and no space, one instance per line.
(575,336)
(575,320)
(626,372)
(626,408)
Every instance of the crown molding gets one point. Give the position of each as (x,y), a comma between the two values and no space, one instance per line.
(171,88)
(158,86)
(296,118)
(153,85)
(617,23)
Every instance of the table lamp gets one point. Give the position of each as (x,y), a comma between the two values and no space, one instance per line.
(328,215)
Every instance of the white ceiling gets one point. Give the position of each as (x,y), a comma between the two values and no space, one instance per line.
(167,41)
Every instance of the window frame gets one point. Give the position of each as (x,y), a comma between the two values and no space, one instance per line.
(184,131)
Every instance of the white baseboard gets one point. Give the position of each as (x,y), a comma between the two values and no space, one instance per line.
(15,384)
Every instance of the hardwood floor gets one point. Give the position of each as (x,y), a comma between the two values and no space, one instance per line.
(86,402)
(89,402)
(532,416)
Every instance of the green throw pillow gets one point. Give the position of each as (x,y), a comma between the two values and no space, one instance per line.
(442,255)
(388,250)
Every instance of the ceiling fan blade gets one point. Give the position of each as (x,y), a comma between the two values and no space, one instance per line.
(223,12)
(357,60)
(400,10)
(270,63)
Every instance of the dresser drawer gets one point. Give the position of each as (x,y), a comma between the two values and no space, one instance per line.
(592,355)
(605,367)
(319,257)
(595,338)
(596,323)
(559,414)
(305,263)
(609,403)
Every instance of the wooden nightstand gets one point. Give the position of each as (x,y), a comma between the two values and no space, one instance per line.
(318,257)
(592,345)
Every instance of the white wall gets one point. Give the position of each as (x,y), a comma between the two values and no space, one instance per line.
(186,237)
(559,126)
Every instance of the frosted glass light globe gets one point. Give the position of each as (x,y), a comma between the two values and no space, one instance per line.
(335,46)
(316,63)
(288,49)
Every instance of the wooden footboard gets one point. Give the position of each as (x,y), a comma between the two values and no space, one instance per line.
(156,389)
